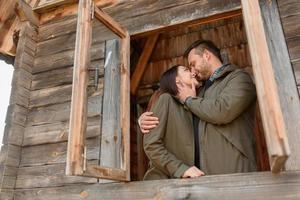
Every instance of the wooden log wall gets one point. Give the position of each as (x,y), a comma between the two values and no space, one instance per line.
(228,34)
(44,149)
(41,111)
(290,14)
(44,143)
(17,111)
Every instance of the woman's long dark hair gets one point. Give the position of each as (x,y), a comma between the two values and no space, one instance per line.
(167,85)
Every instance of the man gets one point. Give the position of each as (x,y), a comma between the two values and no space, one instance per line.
(225,109)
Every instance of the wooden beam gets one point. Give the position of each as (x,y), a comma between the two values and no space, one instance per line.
(267,91)
(156,16)
(25,12)
(283,71)
(44,6)
(246,186)
(9,24)
(193,23)
(78,116)
(7,44)
(105,173)
(142,63)
(125,103)
(109,22)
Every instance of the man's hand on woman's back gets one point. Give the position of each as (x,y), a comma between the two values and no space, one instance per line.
(147,122)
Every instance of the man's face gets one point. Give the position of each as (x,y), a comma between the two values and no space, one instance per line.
(199,65)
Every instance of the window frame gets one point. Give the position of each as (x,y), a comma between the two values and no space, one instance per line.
(267,93)
(76,154)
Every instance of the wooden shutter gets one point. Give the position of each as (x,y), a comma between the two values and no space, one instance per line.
(267,89)
(115,115)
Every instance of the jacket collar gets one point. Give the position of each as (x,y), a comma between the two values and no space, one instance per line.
(228,68)
(180,102)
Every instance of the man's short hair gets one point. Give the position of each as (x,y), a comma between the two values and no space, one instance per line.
(201,45)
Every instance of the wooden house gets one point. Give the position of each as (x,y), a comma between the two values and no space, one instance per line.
(84,71)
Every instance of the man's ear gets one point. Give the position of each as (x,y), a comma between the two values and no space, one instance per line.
(206,55)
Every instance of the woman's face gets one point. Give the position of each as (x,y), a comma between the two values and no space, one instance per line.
(185,76)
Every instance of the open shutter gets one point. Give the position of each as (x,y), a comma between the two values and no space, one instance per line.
(116,113)
(267,89)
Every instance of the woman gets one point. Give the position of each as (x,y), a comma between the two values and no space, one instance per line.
(170,146)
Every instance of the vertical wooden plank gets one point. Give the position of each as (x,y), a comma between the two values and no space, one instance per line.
(267,92)
(125,103)
(284,76)
(111,132)
(78,116)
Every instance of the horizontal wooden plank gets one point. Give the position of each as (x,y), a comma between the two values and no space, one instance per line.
(57,28)
(10,155)
(61,76)
(55,153)
(291,26)
(52,8)
(296,67)
(8,171)
(257,186)
(61,112)
(48,176)
(59,94)
(64,42)
(52,78)
(13,134)
(294,47)
(288,7)
(19,95)
(16,114)
(64,59)
(57,132)
(50,96)
(7,177)
(149,15)
(6,194)
(8,182)
(46,5)
(22,77)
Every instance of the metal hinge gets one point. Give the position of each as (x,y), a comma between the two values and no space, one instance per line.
(84,158)
(92,10)
(96,77)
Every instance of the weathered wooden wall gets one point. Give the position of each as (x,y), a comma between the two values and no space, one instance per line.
(290,15)
(17,111)
(44,149)
(228,34)
(44,143)
(40,105)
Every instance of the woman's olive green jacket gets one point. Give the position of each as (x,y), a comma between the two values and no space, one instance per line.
(169,146)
